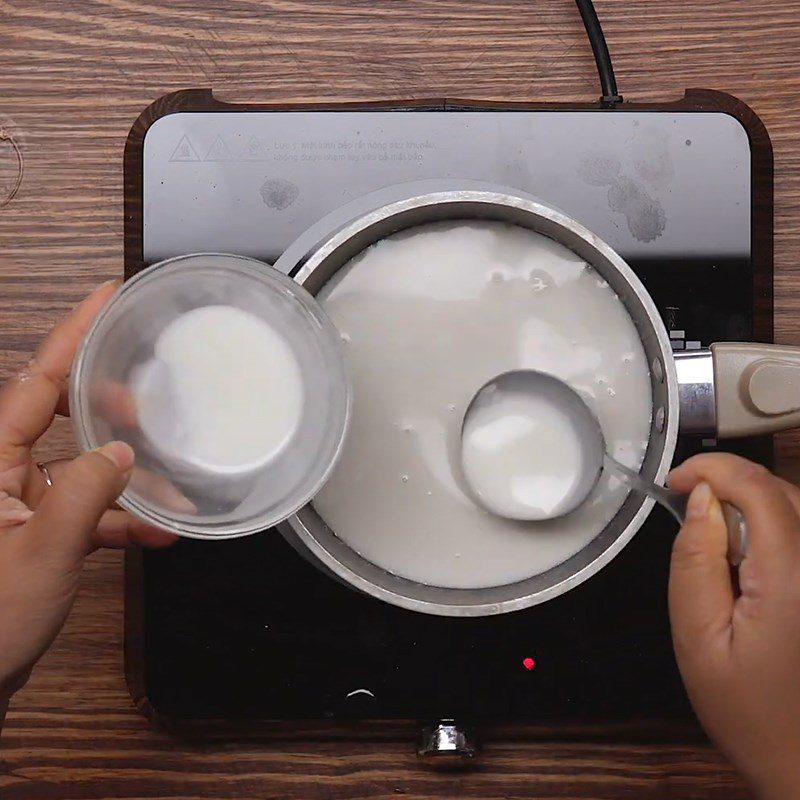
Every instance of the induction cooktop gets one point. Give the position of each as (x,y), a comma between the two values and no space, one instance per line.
(249,634)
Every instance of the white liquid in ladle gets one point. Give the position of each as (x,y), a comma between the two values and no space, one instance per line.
(524,453)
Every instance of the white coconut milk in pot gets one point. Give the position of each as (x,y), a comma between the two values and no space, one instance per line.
(426,317)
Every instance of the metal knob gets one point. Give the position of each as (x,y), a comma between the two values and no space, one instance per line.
(446,744)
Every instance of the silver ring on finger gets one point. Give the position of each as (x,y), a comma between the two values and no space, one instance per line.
(45,473)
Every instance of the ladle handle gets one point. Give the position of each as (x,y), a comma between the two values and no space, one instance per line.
(675,503)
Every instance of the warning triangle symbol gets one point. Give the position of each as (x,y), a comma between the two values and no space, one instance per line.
(218,151)
(252,148)
(184,151)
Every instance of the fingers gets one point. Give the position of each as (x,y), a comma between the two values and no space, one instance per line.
(70,511)
(120,529)
(115,403)
(12,511)
(701,596)
(769,508)
(112,401)
(36,484)
(28,404)
(115,529)
(154,486)
(162,491)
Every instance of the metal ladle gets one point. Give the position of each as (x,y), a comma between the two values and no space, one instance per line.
(527,383)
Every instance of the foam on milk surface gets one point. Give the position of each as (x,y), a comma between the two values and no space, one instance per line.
(427,317)
(223,390)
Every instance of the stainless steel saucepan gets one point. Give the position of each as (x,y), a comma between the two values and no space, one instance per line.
(730,390)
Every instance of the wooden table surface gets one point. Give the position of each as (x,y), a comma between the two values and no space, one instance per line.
(74,74)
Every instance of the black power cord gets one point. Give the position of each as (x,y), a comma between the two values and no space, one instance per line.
(608,83)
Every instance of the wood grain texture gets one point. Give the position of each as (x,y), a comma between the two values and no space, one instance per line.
(74,74)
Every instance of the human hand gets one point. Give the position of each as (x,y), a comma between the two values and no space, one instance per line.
(46,531)
(737,639)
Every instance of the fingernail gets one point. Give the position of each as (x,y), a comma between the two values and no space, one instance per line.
(181,505)
(15,516)
(699,502)
(120,454)
(112,282)
(89,298)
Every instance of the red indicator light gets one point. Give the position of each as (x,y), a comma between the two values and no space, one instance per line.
(528,663)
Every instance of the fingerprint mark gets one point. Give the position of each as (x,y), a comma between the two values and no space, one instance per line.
(278,193)
(599,170)
(644,214)
(650,153)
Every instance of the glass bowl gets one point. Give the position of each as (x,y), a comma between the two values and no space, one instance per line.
(208,463)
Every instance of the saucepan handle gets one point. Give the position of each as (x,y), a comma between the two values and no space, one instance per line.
(735,390)
(739,389)
(757,388)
